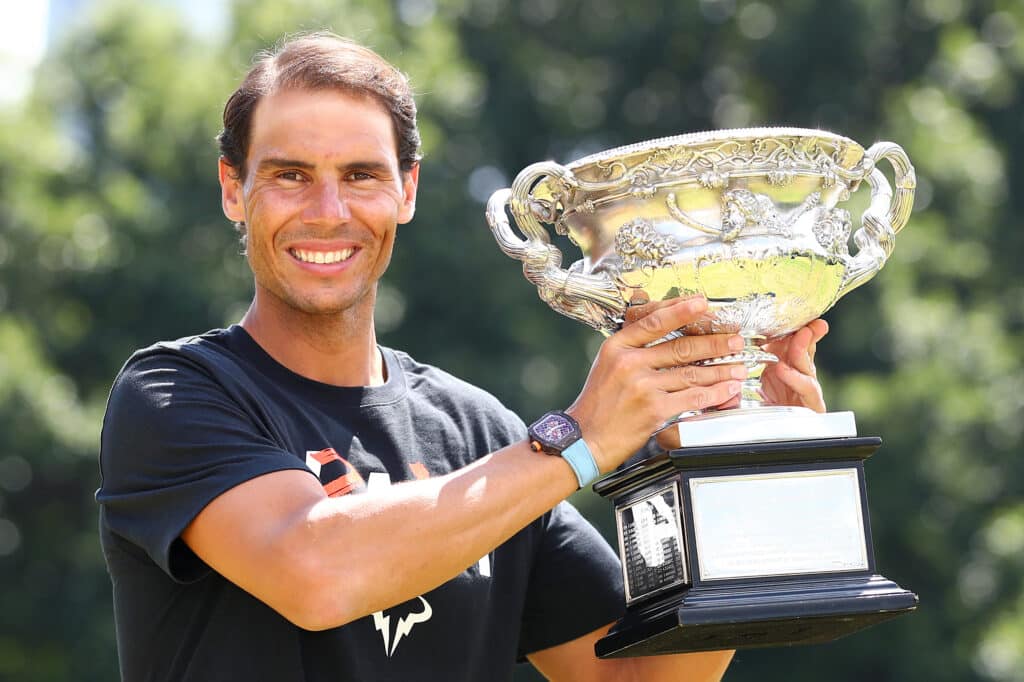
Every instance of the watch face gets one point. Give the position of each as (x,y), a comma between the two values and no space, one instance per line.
(553,428)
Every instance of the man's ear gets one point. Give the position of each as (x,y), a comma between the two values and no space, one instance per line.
(230,191)
(410,181)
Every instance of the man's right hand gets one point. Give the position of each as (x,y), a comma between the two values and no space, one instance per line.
(634,388)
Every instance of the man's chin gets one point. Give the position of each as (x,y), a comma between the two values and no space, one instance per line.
(325,306)
(314,303)
(318,309)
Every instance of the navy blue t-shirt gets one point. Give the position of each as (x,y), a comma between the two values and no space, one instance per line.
(190,419)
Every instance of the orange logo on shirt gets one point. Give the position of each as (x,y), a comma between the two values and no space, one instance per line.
(337,476)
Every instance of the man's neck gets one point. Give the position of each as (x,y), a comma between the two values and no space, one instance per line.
(339,349)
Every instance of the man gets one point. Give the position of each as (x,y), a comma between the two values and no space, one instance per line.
(285,500)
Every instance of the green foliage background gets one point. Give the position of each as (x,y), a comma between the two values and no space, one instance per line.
(111,237)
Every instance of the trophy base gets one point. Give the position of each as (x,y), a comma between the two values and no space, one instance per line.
(783,614)
(747,545)
(763,424)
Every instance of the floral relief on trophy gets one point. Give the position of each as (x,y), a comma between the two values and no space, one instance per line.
(641,247)
(832,230)
(750,314)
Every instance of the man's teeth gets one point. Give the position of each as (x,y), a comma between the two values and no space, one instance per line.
(322,256)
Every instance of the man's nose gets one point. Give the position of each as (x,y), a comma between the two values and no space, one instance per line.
(327,206)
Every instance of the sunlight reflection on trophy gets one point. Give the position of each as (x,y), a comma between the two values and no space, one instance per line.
(753,220)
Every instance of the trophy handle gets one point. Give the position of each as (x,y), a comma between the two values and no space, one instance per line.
(884,217)
(589,298)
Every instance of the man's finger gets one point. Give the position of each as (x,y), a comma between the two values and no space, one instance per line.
(798,352)
(635,311)
(704,397)
(819,328)
(681,378)
(804,385)
(688,349)
(661,321)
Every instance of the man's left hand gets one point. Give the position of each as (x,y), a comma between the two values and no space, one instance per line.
(793,379)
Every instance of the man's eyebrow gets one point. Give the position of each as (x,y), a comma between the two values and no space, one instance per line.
(369,165)
(278,162)
(275,163)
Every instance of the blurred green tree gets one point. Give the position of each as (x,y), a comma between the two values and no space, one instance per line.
(111,237)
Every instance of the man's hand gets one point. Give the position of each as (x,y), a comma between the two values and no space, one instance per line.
(634,388)
(793,379)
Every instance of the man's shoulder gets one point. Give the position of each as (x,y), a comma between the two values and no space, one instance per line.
(206,341)
(204,361)
(210,347)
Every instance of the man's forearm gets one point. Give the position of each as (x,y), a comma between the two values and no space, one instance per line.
(322,562)
(395,543)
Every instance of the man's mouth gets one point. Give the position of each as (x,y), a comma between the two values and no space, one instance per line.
(324,257)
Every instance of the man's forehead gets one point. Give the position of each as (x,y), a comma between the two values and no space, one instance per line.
(320,122)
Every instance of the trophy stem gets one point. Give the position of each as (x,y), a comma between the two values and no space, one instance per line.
(754,358)
(755,361)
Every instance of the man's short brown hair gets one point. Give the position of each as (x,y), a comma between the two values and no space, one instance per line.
(320,61)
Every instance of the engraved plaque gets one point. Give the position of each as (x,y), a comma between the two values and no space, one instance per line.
(651,543)
(776,524)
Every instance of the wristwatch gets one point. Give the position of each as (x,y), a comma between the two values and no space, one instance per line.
(556,433)
(553,433)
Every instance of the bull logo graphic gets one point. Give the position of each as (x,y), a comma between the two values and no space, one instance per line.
(403,625)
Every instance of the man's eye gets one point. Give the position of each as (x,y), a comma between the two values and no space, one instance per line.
(291,176)
(361,175)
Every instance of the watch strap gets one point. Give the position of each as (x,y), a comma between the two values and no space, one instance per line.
(581,459)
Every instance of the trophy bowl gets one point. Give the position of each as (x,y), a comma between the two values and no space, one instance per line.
(749,218)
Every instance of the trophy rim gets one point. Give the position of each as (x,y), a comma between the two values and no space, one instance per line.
(709,136)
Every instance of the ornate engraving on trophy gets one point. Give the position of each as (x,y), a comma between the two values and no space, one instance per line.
(745,213)
(832,230)
(651,543)
(641,247)
(785,156)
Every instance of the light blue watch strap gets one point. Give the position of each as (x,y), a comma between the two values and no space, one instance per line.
(581,460)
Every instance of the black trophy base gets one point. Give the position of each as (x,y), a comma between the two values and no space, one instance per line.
(808,577)
(780,614)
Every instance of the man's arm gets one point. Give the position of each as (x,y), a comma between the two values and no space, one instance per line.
(280,538)
(575,660)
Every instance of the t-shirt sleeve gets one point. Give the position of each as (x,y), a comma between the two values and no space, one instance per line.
(575,585)
(173,440)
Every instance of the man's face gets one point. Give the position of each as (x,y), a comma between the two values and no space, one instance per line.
(322,199)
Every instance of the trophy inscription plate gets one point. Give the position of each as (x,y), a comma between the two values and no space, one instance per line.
(776,524)
(651,543)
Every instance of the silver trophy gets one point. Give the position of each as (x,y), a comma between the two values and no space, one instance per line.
(753,220)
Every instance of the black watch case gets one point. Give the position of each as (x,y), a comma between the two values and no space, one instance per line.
(554,432)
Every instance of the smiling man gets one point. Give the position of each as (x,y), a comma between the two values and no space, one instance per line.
(286,500)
